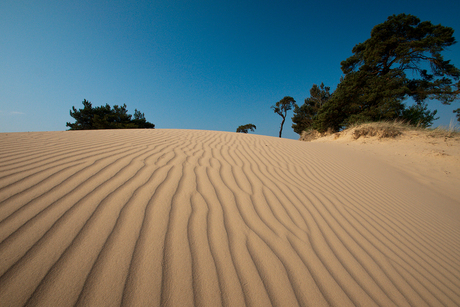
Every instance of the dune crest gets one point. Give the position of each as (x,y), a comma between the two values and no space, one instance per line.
(204,218)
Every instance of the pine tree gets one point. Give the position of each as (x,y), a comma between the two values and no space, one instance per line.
(375,81)
(304,115)
(104,117)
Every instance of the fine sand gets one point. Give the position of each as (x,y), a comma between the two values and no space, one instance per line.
(203,218)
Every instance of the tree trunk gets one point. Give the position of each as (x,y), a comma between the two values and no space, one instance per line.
(282,123)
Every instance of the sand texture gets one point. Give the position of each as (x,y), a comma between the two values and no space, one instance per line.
(204,218)
(432,160)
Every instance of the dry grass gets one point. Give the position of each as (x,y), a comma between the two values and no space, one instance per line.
(394,129)
(378,129)
(451,131)
(310,135)
(387,129)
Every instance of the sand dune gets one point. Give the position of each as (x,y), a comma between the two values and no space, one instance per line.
(202,218)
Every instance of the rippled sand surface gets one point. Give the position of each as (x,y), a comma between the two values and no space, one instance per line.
(204,218)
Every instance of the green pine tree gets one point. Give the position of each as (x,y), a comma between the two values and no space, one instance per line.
(375,83)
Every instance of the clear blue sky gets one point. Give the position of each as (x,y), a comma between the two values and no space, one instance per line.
(195,64)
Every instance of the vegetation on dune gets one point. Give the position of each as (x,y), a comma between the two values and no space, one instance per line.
(401,60)
(378,129)
(246,128)
(281,108)
(305,114)
(391,129)
(104,117)
(385,129)
(376,79)
(451,131)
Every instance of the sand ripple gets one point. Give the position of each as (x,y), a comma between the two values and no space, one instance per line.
(202,218)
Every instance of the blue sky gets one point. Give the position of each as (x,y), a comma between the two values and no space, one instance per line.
(211,65)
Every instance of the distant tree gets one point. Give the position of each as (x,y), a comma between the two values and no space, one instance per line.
(281,108)
(104,117)
(304,115)
(83,117)
(140,121)
(246,128)
(375,81)
(458,113)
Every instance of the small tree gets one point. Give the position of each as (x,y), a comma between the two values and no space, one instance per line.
(304,115)
(83,117)
(281,108)
(419,115)
(246,128)
(140,121)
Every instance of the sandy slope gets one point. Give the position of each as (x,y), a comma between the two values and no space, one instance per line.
(183,218)
(433,161)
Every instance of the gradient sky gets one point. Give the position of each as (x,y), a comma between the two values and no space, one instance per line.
(211,65)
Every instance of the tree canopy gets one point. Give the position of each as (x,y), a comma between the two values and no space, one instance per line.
(246,128)
(104,117)
(304,115)
(376,81)
(281,108)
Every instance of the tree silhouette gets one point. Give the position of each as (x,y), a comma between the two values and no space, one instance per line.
(375,83)
(104,117)
(305,114)
(281,108)
(246,128)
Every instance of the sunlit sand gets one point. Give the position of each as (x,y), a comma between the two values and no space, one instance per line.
(204,218)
